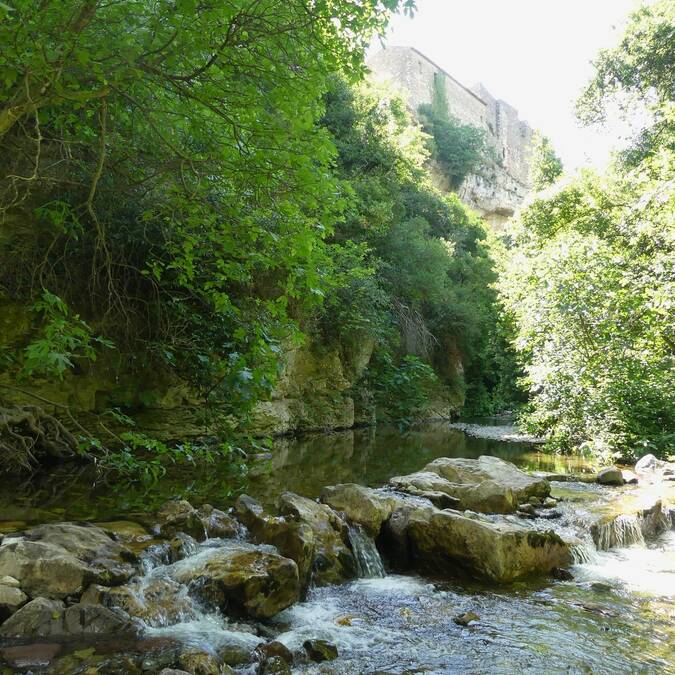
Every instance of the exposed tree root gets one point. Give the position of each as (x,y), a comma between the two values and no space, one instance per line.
(28,435)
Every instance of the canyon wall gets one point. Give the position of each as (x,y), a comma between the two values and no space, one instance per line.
(498,189)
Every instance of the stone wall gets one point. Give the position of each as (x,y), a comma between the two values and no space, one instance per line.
(502,185)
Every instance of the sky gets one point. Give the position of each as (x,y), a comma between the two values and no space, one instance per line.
(534,54)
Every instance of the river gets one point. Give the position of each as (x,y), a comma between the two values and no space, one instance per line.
(615,616)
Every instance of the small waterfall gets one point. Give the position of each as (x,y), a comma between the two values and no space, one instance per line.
(368,561)
(584,552)
(620,532)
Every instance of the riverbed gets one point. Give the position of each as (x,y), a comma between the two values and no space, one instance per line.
(614,615)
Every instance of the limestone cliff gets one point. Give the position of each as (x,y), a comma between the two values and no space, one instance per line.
(501,186)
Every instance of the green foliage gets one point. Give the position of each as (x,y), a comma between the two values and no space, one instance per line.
(402,389)
(546,165)
(638,74)
(64,338)
(590,279)
(458,148)
(412,267)
(181,190)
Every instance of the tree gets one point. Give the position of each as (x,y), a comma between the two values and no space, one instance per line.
(638,74)
(590,278)
(546,166)
(177,190)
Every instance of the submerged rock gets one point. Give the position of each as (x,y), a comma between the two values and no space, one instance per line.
(320,650)
(30,657)
(242,580)
(199,663)
(61,559)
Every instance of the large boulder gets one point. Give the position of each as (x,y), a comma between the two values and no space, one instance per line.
(60,559)
(241,579)
(487,496)
(487,484)
(42,618)
(333,558)
(311,534)
(487,467)
(445,542)
(292,539)
(366,506)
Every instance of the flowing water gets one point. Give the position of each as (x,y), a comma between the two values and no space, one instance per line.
(617,615)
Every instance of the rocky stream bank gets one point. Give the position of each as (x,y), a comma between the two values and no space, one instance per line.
(310,584)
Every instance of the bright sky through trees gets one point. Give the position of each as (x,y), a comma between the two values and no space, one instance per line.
(535,54)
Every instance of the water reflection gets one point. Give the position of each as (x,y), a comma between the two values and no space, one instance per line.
(304,465)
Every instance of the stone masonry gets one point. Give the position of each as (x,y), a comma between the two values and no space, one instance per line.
(501,186)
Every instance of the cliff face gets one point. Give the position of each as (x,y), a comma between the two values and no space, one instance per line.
(501,186)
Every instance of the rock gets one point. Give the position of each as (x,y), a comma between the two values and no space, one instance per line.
(242,579)
(562,574)
(173,671)
(179,516)
(311,534)
(11,599)
(448,541)
(157,601)
(320,650)
(217,523)
(629,477)
(274,648)
(486,485)
(487,496)
(29,657)
(10,581)
(60,559)
(487,467)
(333,558)
(293,540)
(125,530)
(199,663)
(466,619)
(535,501)
(648,464)
(549,503)
(50,618)
(275,665)
(551,514)
(601,587)
(34,619)
(527,509)
(368,507)
(610,476)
